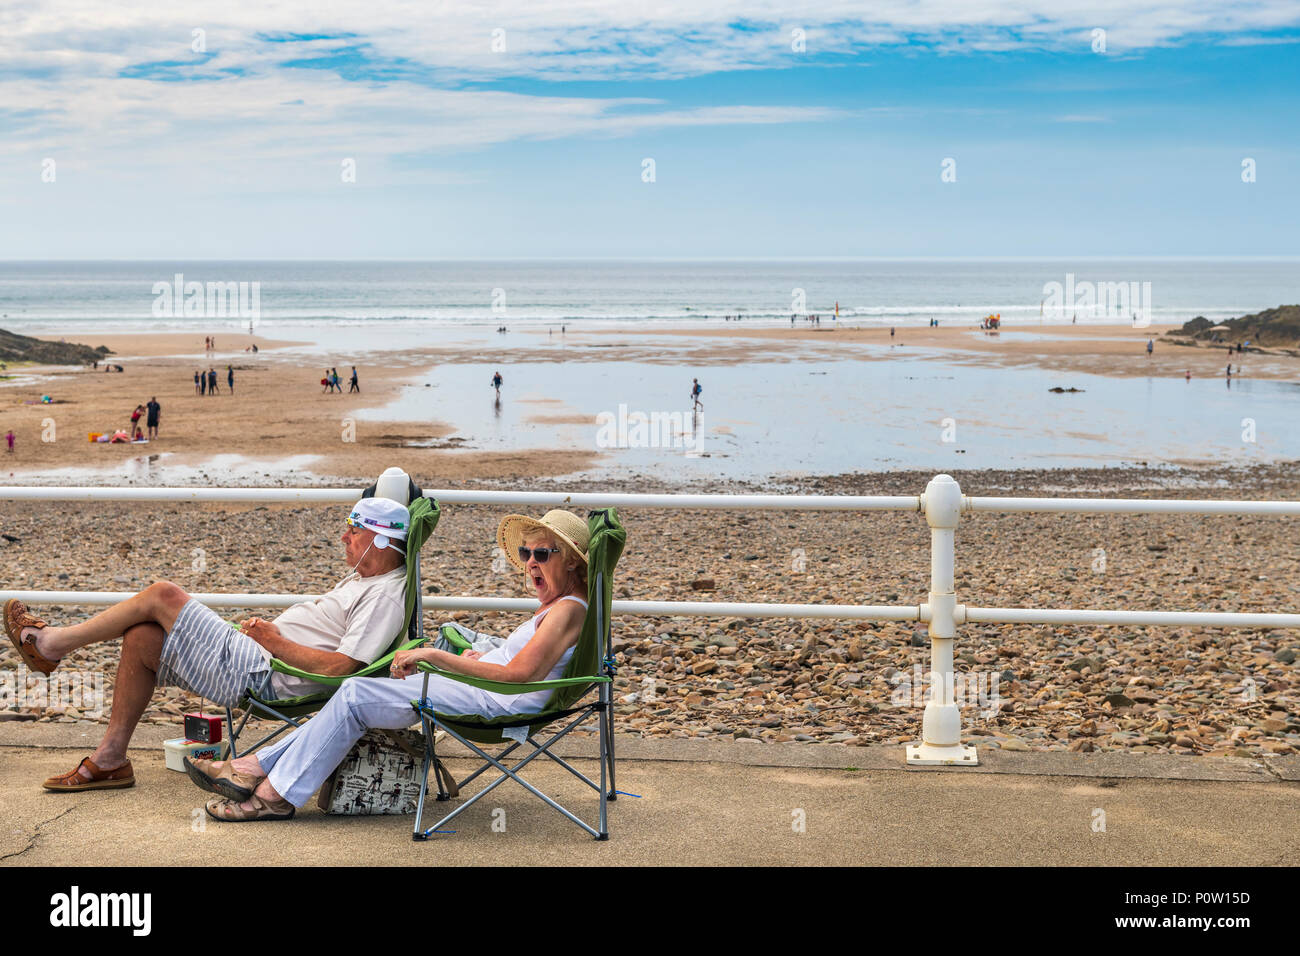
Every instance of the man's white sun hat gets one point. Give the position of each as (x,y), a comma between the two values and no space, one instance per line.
(385,517)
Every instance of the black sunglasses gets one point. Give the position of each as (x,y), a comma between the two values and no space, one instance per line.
(541,554)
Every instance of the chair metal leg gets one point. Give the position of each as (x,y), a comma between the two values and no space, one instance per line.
(607,746)
(417,834)
(511,773)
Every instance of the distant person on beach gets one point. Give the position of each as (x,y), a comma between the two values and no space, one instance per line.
(891,331)
(135,417)
(1229,370)
(154,410)
(496,382)
(325,382)
(169,639)
(198,389)
(352,384)
(212,381)
(230,378)
(203,381)
(1150,347)
(1187,375)
(696,388)
(9,437)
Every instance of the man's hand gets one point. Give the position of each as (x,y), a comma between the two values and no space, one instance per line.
(262,631)
(404,663)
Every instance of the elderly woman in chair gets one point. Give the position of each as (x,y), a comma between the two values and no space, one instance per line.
(552,553)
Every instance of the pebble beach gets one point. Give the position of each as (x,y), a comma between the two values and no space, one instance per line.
(1181,690)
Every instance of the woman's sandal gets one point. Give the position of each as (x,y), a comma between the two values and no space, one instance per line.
(17,617)
(229,783)
(231,812)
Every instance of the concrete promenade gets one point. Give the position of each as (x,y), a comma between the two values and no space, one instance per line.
(701,802)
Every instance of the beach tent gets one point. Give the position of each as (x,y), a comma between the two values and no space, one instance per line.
(591,668)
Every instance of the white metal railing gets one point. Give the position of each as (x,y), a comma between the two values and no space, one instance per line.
(942,504)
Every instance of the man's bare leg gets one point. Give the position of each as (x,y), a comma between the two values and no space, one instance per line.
(158,604)
(137,674)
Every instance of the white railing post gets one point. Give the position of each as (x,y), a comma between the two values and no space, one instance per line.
(940,743)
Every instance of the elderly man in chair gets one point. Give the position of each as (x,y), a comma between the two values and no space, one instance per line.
(170,639)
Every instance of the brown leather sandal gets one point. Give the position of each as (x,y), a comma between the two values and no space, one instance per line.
(17,618)
(122,776)
(229,782)
(231,812)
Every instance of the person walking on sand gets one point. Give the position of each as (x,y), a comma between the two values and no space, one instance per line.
(352,383)
(334,377)
(9,437)
(696,388)
(151,420)
(230,378)
(496,382)
(1150,347)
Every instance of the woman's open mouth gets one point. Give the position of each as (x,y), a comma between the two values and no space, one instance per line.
(538,580)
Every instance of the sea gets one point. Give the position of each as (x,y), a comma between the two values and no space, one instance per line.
(138,295)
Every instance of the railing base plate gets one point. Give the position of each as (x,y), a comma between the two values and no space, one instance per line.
(929,755)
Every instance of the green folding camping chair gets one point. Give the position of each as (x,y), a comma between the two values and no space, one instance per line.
(291,711)
(591,668)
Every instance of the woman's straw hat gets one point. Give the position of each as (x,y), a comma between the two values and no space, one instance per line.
(564,525)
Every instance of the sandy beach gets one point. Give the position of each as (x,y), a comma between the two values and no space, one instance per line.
(279,415)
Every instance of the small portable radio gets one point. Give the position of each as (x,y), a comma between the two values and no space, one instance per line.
(203,728)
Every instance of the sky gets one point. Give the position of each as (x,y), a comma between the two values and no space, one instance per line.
(586,129)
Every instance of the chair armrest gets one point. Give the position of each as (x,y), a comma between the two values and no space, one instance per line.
(334,680)
(508,687)
(454,638)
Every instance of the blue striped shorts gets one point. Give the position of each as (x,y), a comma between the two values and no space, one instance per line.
(205,655)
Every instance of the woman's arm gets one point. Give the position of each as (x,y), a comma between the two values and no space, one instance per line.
(557,633)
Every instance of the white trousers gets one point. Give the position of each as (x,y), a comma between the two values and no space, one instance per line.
(300,762)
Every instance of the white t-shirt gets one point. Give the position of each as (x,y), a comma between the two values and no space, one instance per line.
(518,639)
(358,618)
